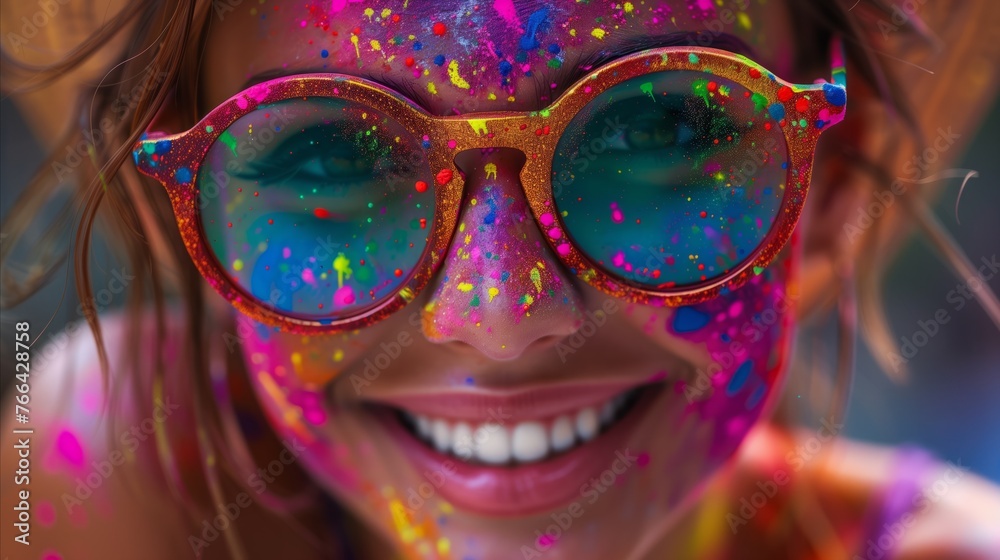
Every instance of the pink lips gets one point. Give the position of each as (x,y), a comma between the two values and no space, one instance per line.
(520,489)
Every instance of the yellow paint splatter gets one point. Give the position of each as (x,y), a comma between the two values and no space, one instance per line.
(491,169)
(572,32)
(744,20)
(354,41)
(478,126)
(598,33)
(385,13)
(376,46)
(492,97)
(468,238)
(343,268)
(369,13)
(629,8)
(536,279)
(338,355)
(456,80)
(465,287)
(432,88)
(443,546)
(237,265)
(493,292)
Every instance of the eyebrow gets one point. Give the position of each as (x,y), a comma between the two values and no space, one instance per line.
(565,76)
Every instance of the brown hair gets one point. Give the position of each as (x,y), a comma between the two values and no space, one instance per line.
(159,48)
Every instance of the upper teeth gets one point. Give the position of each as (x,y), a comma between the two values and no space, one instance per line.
(524,442)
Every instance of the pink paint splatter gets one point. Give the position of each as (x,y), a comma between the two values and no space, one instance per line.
(69,447)
(343,296)
(505,9)
(618,259)
(547,219)
(616,214)
(308,277)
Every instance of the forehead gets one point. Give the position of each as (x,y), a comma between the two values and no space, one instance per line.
(459,56)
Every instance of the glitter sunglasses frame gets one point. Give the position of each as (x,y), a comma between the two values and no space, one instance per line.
(802,112)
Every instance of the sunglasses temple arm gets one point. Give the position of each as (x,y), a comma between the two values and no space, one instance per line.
(838,60)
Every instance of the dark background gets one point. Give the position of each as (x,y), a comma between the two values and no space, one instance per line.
(951,406)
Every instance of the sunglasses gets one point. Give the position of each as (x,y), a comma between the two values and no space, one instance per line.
(319,203)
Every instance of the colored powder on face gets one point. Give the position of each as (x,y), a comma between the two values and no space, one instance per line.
(465,287)
(432,88)
(689,319)
(536,279)
(537,22)
(628,7)
(376,46)
(598,33)
(457,80)
(69,447)
(507,12)
(492,292)
(354,41)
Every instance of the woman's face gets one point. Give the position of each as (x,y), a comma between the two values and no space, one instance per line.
(564,423)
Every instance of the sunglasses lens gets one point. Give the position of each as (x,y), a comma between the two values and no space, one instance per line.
(670,179)
(317,207)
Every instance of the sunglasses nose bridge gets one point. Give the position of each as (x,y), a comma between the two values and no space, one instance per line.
(503,161)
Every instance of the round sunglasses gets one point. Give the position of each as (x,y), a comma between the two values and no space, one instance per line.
(319,203)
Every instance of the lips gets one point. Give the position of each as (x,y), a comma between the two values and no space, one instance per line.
(515,453)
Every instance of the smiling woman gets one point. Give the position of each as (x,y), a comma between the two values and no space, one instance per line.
(500,280)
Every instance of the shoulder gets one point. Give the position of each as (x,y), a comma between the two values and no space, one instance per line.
(83,481)
(900,503)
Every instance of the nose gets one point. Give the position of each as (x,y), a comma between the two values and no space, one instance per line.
(500,290)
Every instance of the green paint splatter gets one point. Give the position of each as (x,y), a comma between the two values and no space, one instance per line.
(693,58)
(228,139)
(700,89)
(757,270)
(475,301)
(647,88)
(759,102)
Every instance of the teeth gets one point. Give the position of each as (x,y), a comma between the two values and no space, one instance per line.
(562,435)
(586,423)
(442,435)
(493,444)
(529,442)
(524,442)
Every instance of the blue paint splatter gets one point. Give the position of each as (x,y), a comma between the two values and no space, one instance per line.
(439,60)
(739,379)
(490,216)
(689,319)
(777,111)
(554,48)
(756,396)
(505,67)
(163,146)
(324,53)
(837,96)
(417,45)
(537,22)
(183,175)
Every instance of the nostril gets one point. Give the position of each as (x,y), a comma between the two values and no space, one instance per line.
(544,342)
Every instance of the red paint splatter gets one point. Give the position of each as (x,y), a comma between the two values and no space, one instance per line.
(321,213)
(754,73)
(444,176)
(440,29)
(802,105)
(785,94)
(421,186)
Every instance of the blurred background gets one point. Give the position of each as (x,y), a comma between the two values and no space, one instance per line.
(950,405)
